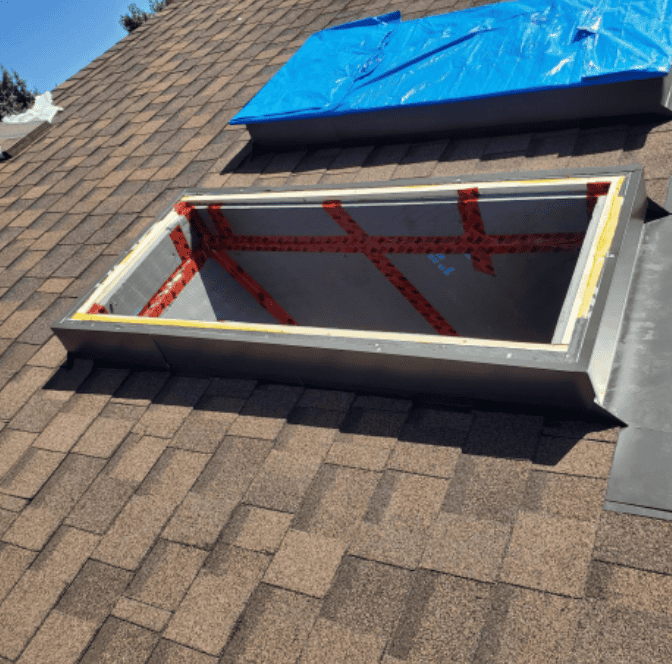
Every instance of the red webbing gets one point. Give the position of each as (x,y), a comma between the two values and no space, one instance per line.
(192,262)
(595,189)
(371,248)
(474,233)
(474,241)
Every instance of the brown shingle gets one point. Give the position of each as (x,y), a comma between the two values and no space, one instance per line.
(223,482)
(634,541)
(38,521)
(216,599)
(257,529)
(31,599)
(166,575)
(142,519)
(305,563)
(466,546)
(398,519)
(442,617)
(549,553)
(120,640)
(274,628)
(336,501)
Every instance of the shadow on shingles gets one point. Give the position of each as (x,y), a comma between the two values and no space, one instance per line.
(500,430)
(477,428)
(238,159)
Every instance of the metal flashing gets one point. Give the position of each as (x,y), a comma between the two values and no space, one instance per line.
(371,286)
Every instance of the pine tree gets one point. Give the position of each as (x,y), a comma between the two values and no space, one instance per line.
(137,16)
(133,20)
(14,95)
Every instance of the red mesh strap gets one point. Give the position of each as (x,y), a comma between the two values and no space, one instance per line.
(595,189)
(474,232)
(192,262)
(251,286)
(221,222)
(372,248)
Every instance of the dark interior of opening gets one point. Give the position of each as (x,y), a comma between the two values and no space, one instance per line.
(502,272)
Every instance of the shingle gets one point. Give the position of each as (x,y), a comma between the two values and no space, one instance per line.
(206,425)
(367,438)
(12,503)
(144,516)
(64,431)
(305,563)
(52,354)
(574,497)
(66,380)
(166,575)
(38,590)
(141,614)
(111,490)
(30,472)
(120,640)
(538,627)
(601,147)
(466,546)
(420,160)
(256,529)
(327,399)
(460,157)
(216,599)
(549,553)
(336,501)
(274,628)
(224,480)
(103,437)
(331,642)
(505,435)
(366,597)
(487,487)
(634,541)
(283,480)
(14,561)
(39,331)
(13,445)
(61,638)
(168,652)
(443,617)
(38,521)
(610,633)
(94,592)
(397,522)
(574,456)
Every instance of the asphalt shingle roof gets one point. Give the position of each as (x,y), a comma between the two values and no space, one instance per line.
(147,517)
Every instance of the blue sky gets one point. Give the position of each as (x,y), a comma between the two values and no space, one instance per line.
(47,42)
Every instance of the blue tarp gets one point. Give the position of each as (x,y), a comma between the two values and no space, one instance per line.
(492,50)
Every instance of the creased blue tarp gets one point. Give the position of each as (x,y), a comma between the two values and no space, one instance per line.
(498,49)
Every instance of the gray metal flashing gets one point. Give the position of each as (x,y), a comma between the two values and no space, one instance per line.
(401,364)
(539,110)
(640,474)
(638,392)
